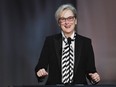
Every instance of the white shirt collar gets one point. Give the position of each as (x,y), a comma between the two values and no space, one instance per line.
(65,38)
(72,36)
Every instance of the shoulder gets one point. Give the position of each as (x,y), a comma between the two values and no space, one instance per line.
(51,38)
(54,36)
(84,38)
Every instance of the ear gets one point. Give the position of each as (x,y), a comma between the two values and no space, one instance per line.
(75,21)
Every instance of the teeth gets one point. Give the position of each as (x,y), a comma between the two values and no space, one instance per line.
(67,26)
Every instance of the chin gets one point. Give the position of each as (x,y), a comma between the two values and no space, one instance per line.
(68,32)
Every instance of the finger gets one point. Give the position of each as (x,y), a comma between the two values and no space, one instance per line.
(40,73)
(44,73)
(93,74)
(90,74)
(96,78)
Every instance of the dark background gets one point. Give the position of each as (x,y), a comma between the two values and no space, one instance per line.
(24,24)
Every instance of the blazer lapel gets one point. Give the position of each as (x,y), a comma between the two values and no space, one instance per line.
(58,48)
(78,47)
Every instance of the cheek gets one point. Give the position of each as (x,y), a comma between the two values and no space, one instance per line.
(62,27)
(73,25)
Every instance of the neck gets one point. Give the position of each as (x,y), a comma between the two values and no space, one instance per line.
(68,34)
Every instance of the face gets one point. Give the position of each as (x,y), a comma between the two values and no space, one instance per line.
(67,21)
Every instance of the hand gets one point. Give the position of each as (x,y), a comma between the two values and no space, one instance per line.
(95,77)
(42,72)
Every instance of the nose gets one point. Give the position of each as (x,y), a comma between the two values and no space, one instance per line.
(66,21)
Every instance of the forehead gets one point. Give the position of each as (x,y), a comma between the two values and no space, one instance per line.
(66,13)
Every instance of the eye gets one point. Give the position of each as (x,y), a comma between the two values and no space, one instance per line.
(62,19)
(70,18)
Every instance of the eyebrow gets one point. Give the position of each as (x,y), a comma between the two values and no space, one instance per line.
(68,16)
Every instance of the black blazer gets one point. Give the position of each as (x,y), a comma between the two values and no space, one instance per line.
(51,56)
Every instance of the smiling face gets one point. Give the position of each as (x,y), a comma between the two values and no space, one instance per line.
(67,21)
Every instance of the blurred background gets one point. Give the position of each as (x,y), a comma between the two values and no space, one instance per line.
(24,24)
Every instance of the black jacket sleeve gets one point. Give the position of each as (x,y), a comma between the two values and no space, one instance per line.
(43,59)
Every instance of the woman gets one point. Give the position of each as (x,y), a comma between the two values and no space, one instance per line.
(69,56)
